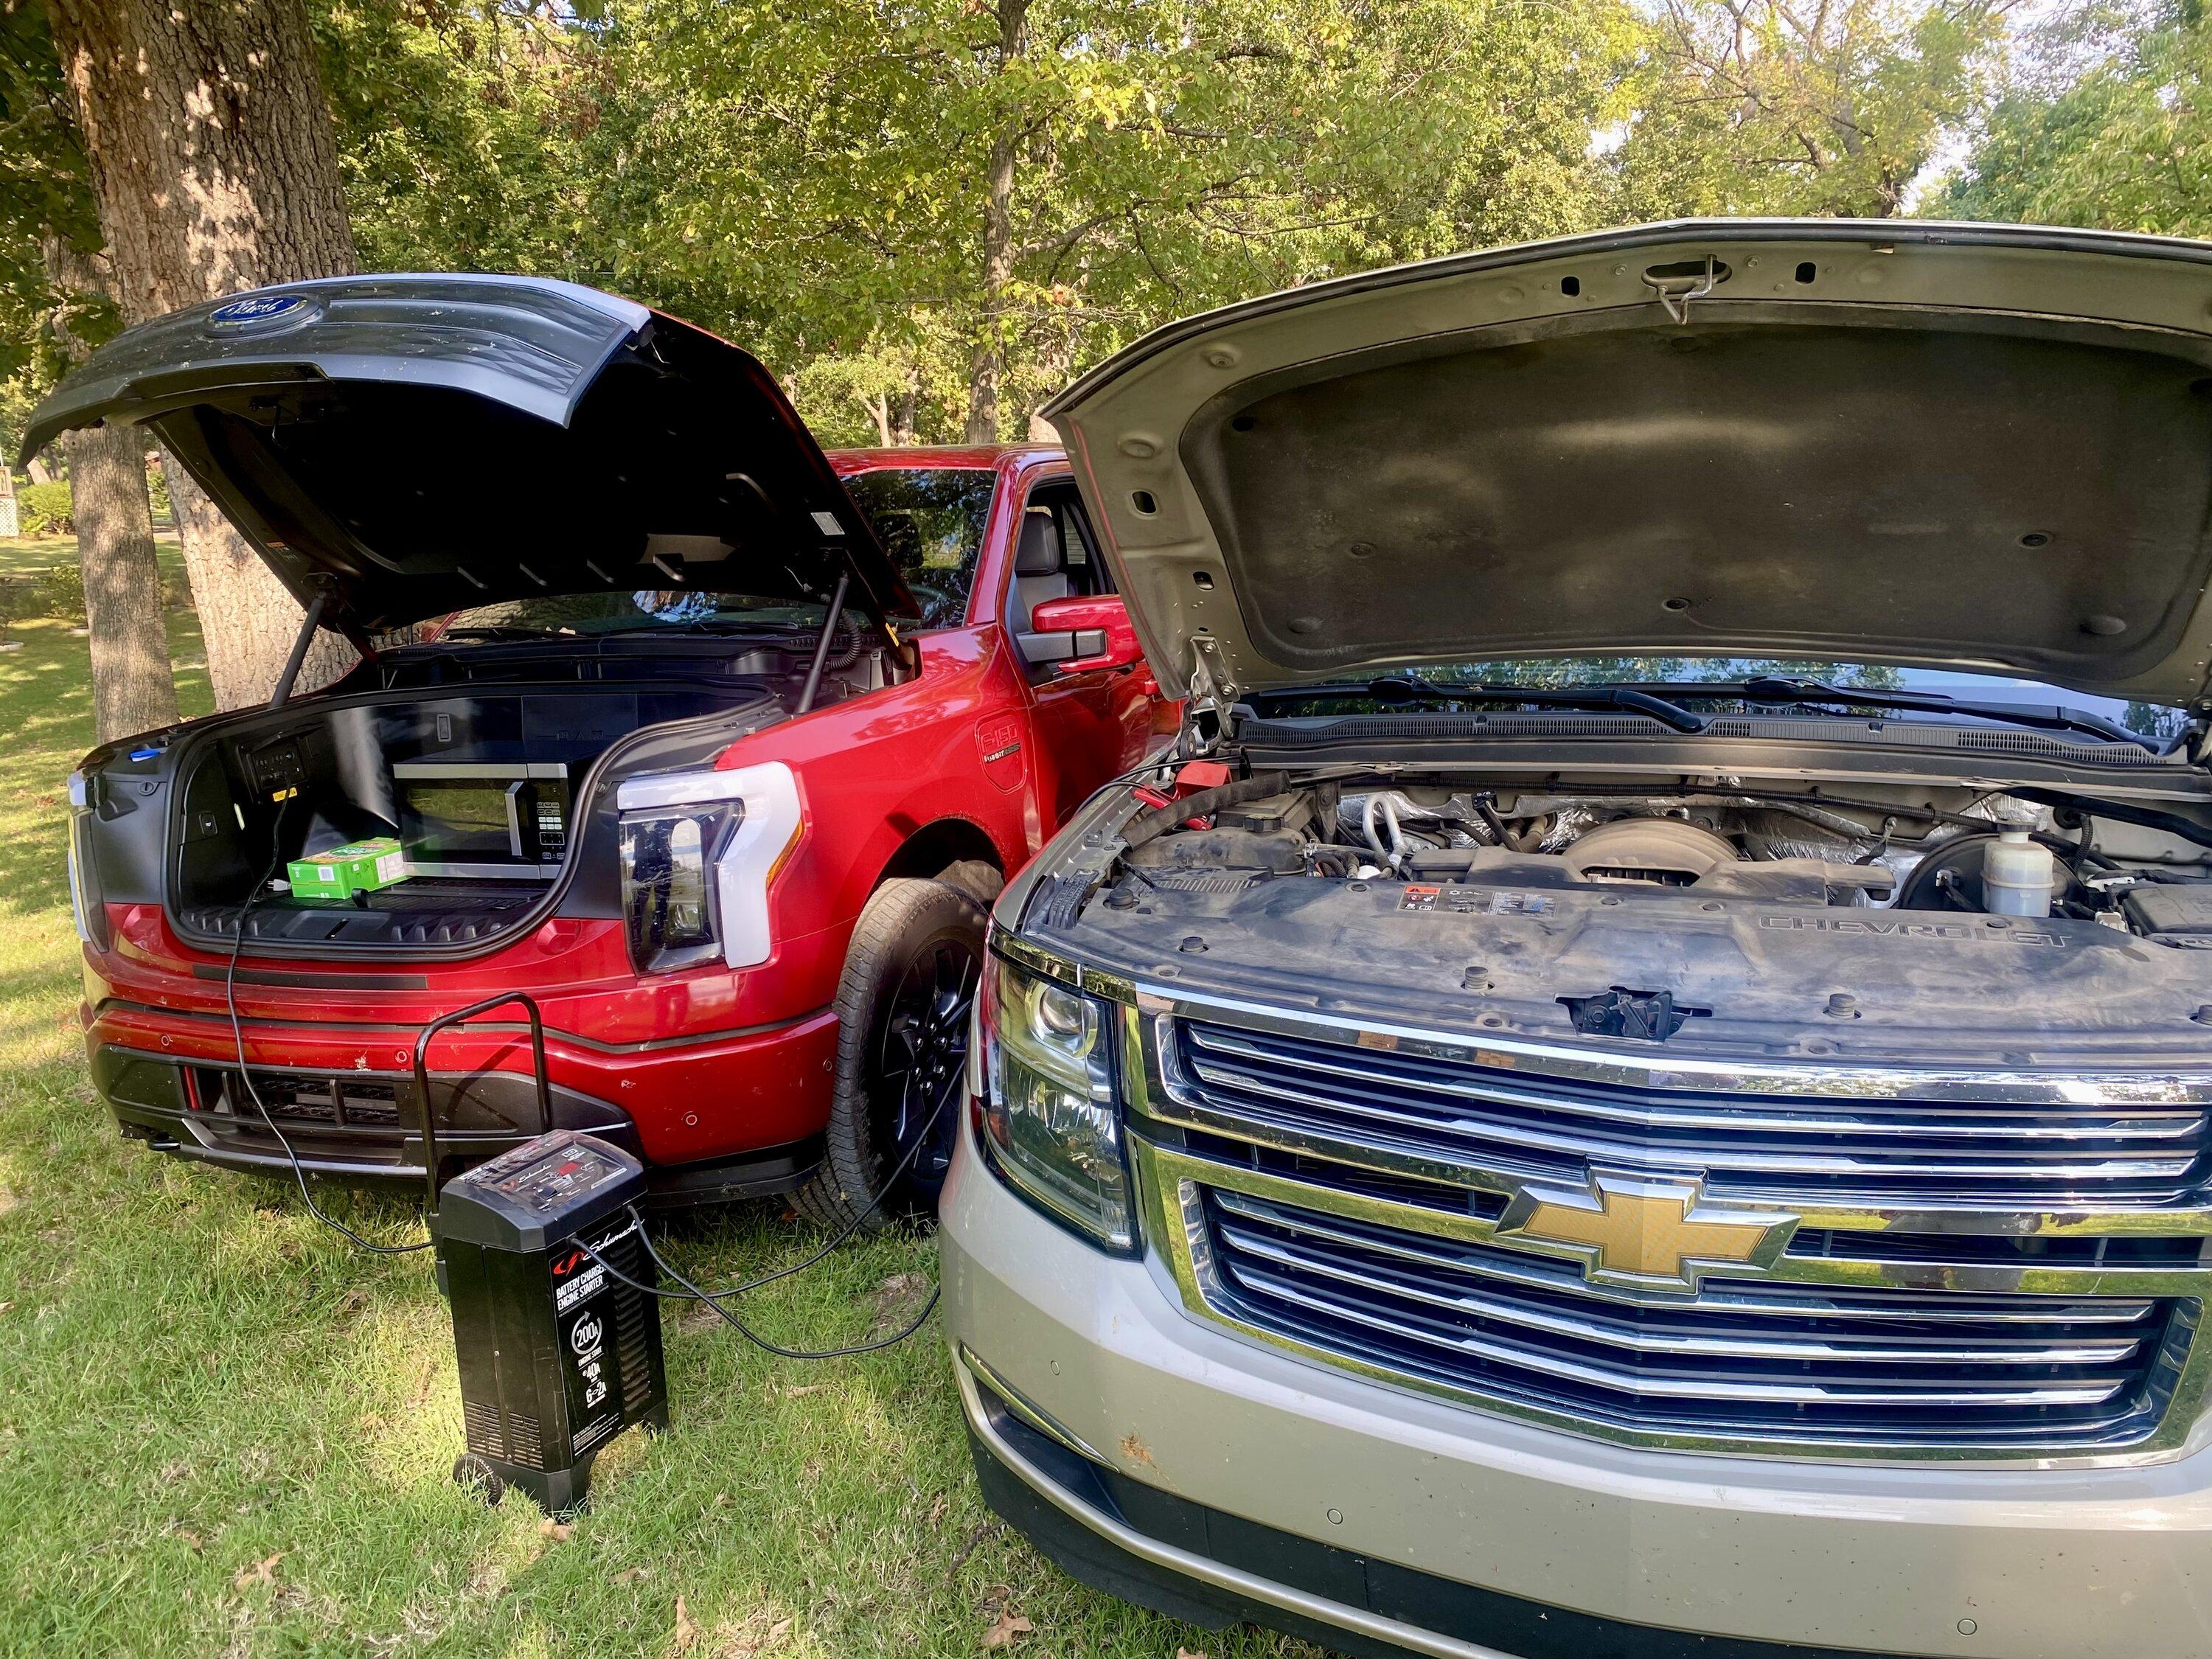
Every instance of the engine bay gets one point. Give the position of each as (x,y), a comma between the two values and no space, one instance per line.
(2031,853)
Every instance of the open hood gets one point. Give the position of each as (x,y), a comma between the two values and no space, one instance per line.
(414,445)
(1977,447)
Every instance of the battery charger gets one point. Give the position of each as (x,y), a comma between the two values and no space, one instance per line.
(557,1354)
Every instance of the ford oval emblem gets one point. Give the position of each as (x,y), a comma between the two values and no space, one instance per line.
(252,309)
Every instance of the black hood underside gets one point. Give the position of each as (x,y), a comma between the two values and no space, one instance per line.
(407,446)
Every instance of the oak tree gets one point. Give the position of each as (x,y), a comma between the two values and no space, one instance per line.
(216,169)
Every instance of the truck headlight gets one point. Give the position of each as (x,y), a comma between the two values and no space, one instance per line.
(698,852)
(1049,1113)
(88,900)
(670,910)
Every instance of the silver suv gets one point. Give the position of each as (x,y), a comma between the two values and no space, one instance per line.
(1637,1082)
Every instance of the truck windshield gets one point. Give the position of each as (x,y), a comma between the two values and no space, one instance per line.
(930,520)
(575,615)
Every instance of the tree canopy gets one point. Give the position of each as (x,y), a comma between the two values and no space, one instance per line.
(2106,120)
(925,214)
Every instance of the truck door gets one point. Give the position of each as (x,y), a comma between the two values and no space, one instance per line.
(1092,723)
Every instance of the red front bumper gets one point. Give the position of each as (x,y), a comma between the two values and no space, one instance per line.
(673,1069)
(674,1103)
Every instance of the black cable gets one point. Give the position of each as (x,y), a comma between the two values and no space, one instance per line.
(713,1298)
(245,1072)
(856,1223)
(780,1352)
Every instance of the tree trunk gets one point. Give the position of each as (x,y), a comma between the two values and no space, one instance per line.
(215,167)
(132,690)
(986,367)
(902,416)
(10,525)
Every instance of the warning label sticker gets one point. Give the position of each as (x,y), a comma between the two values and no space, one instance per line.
(1476,902)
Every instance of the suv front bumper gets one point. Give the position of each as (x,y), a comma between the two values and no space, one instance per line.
(1177,1464)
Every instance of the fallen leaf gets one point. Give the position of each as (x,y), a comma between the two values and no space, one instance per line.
(686,1632)
(261,1572)
(937,1510)
(1010,1625)
(558,1531)
(631,1575)
(757,1635)
(190,1540)
(1185,1653)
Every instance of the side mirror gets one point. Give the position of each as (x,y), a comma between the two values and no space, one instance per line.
(1098,627)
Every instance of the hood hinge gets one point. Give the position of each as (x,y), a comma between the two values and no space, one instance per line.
(1211,690)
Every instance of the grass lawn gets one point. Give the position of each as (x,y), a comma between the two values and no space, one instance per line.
(224,1431)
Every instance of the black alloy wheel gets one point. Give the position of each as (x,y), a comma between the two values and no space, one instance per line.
(921,1059)
(903,1004)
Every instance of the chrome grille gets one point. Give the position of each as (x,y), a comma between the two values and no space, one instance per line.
(1742,1360)
(2101,1146)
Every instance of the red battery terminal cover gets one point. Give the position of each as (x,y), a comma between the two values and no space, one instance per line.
(1195,776)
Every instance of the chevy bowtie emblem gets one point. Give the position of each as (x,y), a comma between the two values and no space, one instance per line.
(1629,1230)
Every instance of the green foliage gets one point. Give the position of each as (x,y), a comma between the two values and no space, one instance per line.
(2106,121)
(816,177)
(52,308)
(44,510)
(18,599)
(458,125)
(61,592)
(1758,106)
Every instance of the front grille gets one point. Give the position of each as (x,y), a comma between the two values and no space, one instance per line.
(2100,1147)
(301,1098)
(1743,1360)
(331,1114)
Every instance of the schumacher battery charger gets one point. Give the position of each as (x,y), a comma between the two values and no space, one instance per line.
(556,1355)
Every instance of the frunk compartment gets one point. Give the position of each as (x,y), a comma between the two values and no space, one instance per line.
(478,789)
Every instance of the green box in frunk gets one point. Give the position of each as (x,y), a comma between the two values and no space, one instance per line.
(359,867)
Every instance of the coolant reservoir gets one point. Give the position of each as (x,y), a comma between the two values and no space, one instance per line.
(2018,874)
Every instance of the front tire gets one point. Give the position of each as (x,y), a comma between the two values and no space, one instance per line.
(902,1005)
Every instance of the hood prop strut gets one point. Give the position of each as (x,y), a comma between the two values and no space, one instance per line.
(304,638)
(822,645)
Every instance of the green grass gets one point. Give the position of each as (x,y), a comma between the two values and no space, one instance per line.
(198,1380)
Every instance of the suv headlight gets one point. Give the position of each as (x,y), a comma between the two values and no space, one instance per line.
(1049,1113)
(698,852)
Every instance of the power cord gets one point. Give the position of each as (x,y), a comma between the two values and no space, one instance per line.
(245,1073)
(713,1299)
(690,1292)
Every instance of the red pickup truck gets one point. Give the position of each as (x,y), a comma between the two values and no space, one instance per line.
(721,753)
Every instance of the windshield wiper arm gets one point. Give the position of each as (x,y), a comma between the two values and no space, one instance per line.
(1776,688)
(1541,697)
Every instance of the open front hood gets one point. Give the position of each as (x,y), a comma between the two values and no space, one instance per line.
(413,445)
(1980,446)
